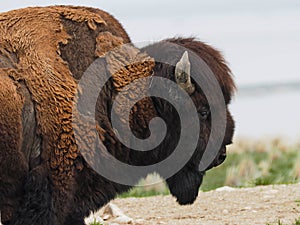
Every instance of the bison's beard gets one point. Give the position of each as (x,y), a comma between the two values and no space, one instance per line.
(185,185)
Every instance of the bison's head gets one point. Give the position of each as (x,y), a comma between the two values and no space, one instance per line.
(183,61)
(175,60)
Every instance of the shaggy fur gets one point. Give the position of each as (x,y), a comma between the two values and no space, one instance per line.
(185,184)
(43,54)
(46,49)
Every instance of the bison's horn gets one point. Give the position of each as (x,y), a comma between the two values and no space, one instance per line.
(183,74)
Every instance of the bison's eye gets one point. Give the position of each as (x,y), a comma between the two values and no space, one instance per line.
(204,113)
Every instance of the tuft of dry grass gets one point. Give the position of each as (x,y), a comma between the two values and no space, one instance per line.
(261,145)
(240,174)
(296,169)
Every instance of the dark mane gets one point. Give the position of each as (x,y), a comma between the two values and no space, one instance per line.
(212,57)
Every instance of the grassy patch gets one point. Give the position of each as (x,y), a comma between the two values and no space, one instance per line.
(237,171)
(258,164)
(248,164)
(95,223)
(297,222)
(140,192)
(150,186)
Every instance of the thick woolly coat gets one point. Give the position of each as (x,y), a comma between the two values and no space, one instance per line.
(44,53)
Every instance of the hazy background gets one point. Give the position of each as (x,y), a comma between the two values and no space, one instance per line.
(260,40)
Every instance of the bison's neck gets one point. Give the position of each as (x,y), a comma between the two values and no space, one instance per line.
(125,65)
(123,68)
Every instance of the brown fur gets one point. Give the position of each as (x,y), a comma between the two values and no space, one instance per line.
(170,50)
(10,139)
(185,184)
(214,60)
(44,52)
(40,43)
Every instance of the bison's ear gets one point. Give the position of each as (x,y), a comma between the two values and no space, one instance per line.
(183,74)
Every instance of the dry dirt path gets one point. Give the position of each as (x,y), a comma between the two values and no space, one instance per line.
(253,206)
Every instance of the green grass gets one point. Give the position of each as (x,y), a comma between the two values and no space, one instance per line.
(150,186)
(95,223)
(252,169)
(248,164)
(297,222)
(231,173)
(252,164)
(139,192)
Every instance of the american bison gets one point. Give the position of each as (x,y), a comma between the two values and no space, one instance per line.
(44,52)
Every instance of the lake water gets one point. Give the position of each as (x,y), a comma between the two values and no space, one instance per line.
(274,115)
(260,40)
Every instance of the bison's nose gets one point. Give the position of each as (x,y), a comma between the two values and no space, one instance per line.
(221,158)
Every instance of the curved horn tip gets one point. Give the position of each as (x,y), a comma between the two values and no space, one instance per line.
(183,73)
(185,56)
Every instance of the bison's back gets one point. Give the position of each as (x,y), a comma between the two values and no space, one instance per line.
(53,46)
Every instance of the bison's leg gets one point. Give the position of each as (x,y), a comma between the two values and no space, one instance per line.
(13,165)
(24,195)
(92,193)
(36,204)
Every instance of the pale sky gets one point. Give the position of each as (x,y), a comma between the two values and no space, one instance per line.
(259,38)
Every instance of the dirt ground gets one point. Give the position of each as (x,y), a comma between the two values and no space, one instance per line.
(253,206)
